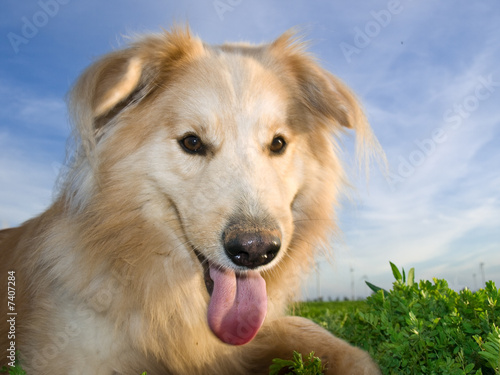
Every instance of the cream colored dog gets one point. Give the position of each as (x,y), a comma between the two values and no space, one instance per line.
(203,180)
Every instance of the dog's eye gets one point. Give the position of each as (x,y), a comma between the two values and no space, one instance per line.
(192,144)
(278,145)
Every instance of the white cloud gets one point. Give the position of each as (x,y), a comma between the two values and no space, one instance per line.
(32,112)
(27,187)
(32,134)
(444,214)
(442,217)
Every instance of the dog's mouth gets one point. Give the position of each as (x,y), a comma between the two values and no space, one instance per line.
(238,302)
(209,283)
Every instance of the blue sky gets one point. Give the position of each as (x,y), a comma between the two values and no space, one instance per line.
(427,72)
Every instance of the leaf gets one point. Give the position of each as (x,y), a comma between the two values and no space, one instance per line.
(376,288)
(279,364)
(469,368)
(16,370)
(312,365)
(395,272)
(411,277)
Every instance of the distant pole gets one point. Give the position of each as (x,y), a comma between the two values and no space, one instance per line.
(318,287)
(352,284)
(475,284)
(482,273)
(365,279)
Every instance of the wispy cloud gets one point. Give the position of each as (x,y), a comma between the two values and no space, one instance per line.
(27,183)
(33,130)
(25,110)
(418,77)
(442,214)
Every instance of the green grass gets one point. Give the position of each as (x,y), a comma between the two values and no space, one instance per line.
(318,310)
(419,328)
(15,370)
(311,366)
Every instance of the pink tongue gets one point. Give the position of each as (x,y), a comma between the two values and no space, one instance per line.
(238,305)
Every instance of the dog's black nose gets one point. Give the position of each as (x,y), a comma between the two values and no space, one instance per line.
(251,249)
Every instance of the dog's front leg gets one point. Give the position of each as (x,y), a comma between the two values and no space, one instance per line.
(280,338)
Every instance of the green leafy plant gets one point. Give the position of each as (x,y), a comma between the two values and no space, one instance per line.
(312,365)
(420,327)
(15,370)
(399,276)
(491,348)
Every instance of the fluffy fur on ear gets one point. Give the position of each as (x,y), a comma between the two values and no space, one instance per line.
(125,77)
(325,97)
(115,84)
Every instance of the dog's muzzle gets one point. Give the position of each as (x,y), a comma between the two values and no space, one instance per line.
(238,297)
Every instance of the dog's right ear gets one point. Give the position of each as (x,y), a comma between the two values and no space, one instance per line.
(104,89)
(124,78)
(117,78)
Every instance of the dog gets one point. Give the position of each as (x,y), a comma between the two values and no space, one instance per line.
(202,182)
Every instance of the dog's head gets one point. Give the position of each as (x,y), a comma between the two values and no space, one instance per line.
(232,145)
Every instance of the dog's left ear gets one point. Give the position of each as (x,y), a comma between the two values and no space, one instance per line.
(325,97)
